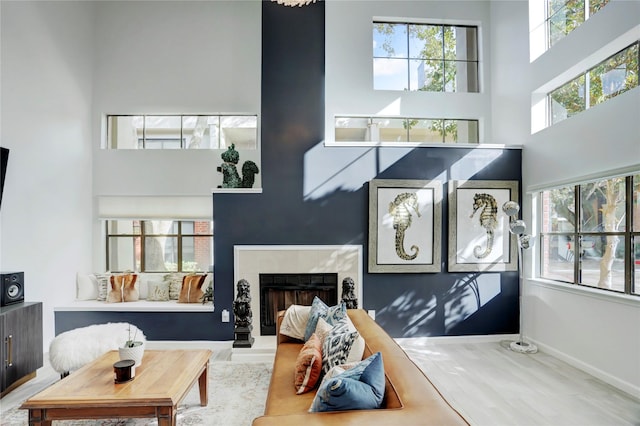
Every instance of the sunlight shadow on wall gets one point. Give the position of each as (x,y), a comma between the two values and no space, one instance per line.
(329,169)
(468,295)
(422,316)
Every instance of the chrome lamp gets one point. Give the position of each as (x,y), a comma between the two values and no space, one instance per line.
(519,228)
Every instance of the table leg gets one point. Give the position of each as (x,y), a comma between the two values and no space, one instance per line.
(203,384)
(166,416)
(37,417)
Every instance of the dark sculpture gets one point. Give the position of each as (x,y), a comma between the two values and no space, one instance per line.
(349,293)
(242,305)
(230,176)
(242,316)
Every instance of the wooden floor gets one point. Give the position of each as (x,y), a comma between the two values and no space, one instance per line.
(492,385)
(489,384)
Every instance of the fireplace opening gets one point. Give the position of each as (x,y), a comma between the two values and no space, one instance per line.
(279,291)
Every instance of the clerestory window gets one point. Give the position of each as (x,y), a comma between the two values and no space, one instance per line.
(608,79)
(564,16)
(425,57)
(182,131)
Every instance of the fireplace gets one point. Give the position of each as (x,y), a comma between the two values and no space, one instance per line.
(250,262)
(279,291)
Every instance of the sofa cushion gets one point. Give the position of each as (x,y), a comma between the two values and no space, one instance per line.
(308,365)
(355,386)
(319,309)
(295,321)
(337,345)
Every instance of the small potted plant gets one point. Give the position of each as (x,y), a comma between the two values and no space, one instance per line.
(132,349)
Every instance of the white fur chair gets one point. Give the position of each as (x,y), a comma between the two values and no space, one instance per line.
(74,348)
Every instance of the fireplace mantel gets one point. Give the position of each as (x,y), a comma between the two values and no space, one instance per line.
(251,260)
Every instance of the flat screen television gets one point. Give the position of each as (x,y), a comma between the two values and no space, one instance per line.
(4,159)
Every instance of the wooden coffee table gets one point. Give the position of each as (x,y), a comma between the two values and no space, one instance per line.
(159,385)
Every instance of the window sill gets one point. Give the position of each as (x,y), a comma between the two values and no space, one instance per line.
(139,306)
(604,295)
(236,191)
(419,145)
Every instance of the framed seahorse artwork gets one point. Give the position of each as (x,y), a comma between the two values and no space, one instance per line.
(479,237)
(405,222)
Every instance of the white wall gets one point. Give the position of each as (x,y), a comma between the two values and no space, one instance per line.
(67,64)
(597,332)
(349,63)
(46,78)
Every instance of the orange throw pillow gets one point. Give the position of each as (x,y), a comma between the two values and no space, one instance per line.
(191,291)
(123,288)
(308,365)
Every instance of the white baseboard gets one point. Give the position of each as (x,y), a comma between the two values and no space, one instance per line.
(595,372)
(488,338)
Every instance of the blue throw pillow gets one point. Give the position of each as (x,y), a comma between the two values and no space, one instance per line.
(319,309)
(358,388)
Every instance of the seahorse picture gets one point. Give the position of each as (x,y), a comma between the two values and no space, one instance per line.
(401,209)
(488,220)
(479,238)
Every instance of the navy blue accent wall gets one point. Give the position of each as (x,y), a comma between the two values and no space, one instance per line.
(292,126)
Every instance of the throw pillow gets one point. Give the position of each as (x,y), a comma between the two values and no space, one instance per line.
(308,365)
(103,286)
(192,289)
(337,345)
(319,309)
(357,350)
(86,287)
(322,329)
(123,288)
(295,320)
(158,291)
(358,386)
(174,280)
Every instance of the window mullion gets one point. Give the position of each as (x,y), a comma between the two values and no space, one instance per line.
(577,257)
(628,240)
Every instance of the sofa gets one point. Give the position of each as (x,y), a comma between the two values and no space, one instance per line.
(409,396)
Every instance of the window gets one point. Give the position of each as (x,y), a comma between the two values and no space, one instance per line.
(159,245)
(423,57)
(182,131)
(610,78)
(564,16)
(418,130)
(590,234)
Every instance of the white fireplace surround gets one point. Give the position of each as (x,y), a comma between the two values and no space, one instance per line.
(251,260)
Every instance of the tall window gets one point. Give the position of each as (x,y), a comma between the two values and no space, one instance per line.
(590,234)
(610,78)
(159,245)
(564,16)
(422,57)
(182,131)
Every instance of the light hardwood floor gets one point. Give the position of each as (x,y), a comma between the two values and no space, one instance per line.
(489,384)
(492,385)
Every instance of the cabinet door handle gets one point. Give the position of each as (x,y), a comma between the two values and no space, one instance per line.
(9,360)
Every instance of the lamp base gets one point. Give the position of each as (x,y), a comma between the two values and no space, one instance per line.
(523,347)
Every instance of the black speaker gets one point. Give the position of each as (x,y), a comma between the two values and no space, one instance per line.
(11,287)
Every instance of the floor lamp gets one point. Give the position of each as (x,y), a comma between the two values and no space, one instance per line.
(518,227)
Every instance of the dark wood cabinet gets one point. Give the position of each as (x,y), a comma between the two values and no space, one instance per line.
(21,334)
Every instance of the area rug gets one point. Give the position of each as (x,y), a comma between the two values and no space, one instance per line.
(237,394)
